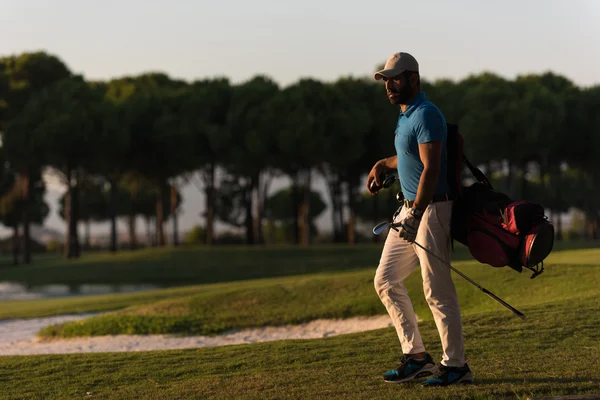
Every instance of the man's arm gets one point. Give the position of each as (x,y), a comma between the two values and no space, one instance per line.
(381,167)
(430,134)
(431,157)
(391,162)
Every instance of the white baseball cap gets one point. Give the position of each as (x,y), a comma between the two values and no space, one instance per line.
(397,64)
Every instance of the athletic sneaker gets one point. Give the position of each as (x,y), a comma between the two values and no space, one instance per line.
(449,376)
(410,369)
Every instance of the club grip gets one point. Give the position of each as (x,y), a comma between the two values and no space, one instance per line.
(374,186)
(386,182)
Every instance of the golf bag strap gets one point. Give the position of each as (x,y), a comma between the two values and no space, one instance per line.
(480,176)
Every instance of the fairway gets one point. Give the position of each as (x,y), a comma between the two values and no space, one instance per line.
(553,351)
(214,308)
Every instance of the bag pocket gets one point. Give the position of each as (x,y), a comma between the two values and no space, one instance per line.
(521,216)
(537,245)
(487,248)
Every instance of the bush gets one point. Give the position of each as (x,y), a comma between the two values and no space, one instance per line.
(230,238)
(54,246)
(196,235)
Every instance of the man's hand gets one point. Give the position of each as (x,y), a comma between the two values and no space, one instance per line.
(379,170)
(410,225)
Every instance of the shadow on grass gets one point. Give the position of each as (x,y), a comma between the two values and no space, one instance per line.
(497,381)
(485,381)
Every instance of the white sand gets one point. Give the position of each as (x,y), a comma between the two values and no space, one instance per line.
(18,337)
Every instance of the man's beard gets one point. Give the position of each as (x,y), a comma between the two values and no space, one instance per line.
(402,96)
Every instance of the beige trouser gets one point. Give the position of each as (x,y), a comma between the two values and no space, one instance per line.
(398,260)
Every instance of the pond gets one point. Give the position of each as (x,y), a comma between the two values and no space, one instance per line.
(18,291)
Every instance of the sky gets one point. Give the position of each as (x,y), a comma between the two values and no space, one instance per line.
(288,40)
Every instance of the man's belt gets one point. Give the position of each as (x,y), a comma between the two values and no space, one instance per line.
(436,198)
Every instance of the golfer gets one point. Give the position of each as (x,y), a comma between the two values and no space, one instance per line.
(420,161)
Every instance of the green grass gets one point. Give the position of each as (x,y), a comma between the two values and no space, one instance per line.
(554,351)
(193,265)
(85,304)
(197,265)
(212,309)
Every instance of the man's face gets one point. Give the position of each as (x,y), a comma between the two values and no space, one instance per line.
(398,89)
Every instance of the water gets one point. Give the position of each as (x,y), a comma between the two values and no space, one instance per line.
(18,291)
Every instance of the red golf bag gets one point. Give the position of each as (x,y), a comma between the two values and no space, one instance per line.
(498,230)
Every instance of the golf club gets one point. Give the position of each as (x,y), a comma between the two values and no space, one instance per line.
(386,182)
(379,228)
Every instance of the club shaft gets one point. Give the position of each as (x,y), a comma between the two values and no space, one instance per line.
(484,290)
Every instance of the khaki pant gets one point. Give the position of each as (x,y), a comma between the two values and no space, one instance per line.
(398,260)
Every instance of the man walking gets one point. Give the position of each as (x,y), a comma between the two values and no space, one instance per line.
(420,161)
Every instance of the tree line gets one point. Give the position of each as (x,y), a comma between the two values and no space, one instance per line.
(124,147)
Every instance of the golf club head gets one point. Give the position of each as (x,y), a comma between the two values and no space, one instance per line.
(386,182)
(380,227)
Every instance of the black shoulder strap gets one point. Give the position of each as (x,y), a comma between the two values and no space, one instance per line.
(480,176)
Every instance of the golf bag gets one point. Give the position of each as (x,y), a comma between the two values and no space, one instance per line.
(498,230)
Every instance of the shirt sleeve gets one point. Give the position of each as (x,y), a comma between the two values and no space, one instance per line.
(429,126)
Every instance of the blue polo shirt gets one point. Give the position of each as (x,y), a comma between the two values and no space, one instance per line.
(422,122)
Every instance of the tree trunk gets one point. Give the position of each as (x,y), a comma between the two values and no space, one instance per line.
(76,222)
(175,230)
(174,215)
(557,192)
(586,226)
(509,179)
(304,212)
(72,239)
(15,245)
(512,144)
(340,210)
(88,230)
(263,191)
(295,210)
(113,207)
(248,223)
(333,184)
(303,224)
(591,215)
(255,201)
(591,231)
(543,165)
(132,234)
(28,187)
(149,231)
(351,233)
(592,210)
(487,167)
(559,234)
(334,207)
(209,179)
(524,185)
(68,217)
(160,215)
(73,249)
(272,231)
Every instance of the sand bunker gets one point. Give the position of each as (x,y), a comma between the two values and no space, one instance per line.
(18,336)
